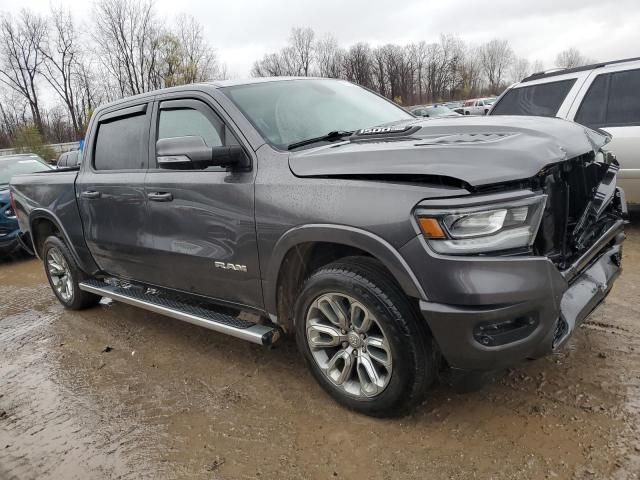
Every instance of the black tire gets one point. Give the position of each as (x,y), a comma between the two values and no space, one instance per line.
(78,299)
(413,354)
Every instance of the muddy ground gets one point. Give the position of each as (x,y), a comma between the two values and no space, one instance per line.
(171,400)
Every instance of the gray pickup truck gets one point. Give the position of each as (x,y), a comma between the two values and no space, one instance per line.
(394,248)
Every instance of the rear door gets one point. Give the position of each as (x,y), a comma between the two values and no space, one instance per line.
(110,192)
(612,103)
(202,221)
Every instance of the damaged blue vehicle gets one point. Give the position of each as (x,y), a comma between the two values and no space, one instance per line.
(11,239)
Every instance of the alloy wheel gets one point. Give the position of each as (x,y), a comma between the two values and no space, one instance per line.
(348,345)
(60,274)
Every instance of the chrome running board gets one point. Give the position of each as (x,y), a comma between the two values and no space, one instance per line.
(204,317)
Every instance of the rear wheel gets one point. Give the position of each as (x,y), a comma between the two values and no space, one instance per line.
(64,276)
(362,340)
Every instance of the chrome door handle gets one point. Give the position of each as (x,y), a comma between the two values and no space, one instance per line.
(160,196)
(90,194)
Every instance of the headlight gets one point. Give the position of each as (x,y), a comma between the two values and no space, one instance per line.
(483,229)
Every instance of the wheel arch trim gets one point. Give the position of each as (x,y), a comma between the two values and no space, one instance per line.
(41,213)
(364,240)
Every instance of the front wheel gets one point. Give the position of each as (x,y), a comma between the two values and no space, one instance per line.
(362,340)
(64,276)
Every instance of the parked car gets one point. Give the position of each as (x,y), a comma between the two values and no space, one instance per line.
(11,239)
(603,96)
(434,111)
(477,106)
(390,246)
(454,105)
(69,159)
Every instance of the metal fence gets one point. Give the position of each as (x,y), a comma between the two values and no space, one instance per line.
(59,148)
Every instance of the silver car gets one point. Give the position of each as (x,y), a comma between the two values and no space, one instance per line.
(605,96)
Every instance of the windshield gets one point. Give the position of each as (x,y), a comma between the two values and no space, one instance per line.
(18,165)
(439,110)
(289,111)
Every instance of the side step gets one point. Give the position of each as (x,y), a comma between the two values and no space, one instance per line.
(204,317)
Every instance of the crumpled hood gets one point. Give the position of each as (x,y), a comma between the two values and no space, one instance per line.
(476,150)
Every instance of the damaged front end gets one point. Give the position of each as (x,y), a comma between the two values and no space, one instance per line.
(583,205)
(582,233)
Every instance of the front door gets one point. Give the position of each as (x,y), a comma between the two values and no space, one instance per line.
(110,192)
(202,220)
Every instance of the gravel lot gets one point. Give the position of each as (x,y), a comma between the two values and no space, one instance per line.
(171,400)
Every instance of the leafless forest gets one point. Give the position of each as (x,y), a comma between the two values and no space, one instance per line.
(55,68)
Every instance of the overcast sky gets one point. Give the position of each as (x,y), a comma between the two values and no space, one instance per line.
(243,30)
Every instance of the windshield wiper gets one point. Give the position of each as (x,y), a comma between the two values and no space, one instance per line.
(329,136)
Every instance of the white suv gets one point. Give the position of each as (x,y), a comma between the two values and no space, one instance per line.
(604,96)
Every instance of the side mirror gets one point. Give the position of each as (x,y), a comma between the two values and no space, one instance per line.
(192,152)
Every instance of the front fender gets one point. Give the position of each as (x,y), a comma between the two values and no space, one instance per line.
(376,246)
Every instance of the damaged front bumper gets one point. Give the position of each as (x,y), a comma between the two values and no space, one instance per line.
(493,333)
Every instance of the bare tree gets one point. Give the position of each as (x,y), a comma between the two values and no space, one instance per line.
(21,59)
(329,57)
(127,37)
(496,57)
(198,59)
(571,58)
(471,74)
(520,69)
(538,66)
(301,50)
(357,64)
(62,62)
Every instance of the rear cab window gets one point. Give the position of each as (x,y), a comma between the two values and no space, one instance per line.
(540,99)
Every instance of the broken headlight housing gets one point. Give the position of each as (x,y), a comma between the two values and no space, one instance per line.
(490,228)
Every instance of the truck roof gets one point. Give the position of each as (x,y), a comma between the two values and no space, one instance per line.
(563,71)
(210,84)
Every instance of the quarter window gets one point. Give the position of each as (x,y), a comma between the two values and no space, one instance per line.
(593,108)
(543,99)
(122,144)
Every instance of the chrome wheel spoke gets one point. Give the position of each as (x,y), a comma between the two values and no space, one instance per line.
(379,351)
(340,367)
(360,318)
(371,382)
(333,311)
(324,336)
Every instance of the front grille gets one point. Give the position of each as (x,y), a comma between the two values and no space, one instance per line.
(570,187)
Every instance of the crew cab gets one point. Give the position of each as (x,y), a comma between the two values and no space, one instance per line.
(394,248)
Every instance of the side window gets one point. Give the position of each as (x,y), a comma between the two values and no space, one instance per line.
(543,99)
(623,106)
(612,100)
(121,143)
(181,122)
(593,107)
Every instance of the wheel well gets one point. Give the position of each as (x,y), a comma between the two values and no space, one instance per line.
(41,228)
(297,264)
